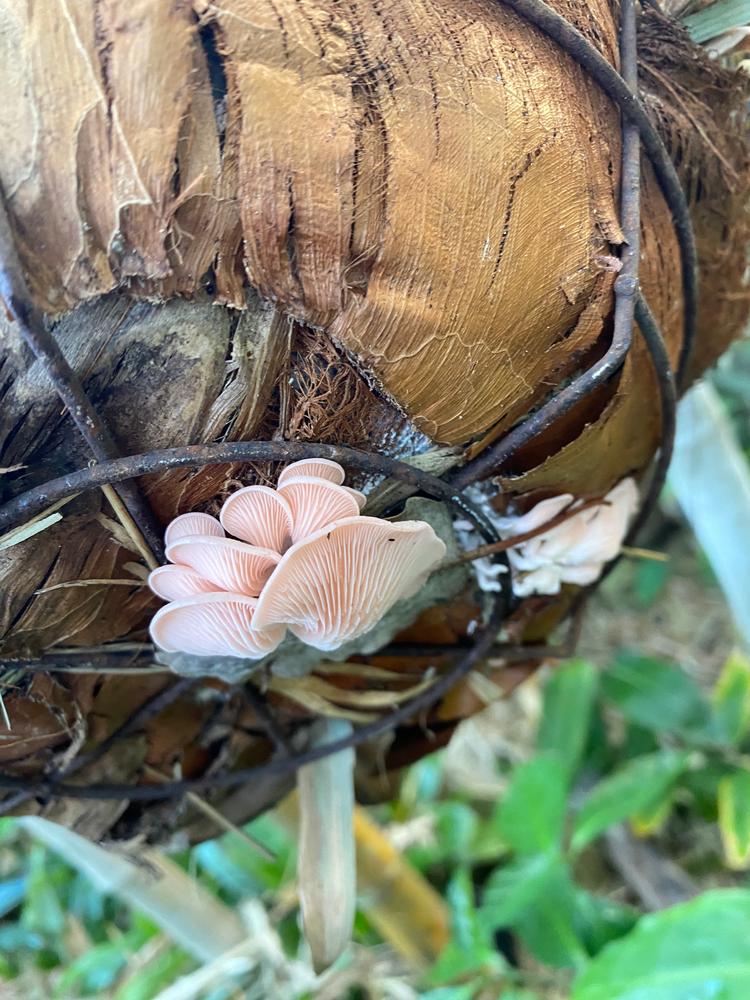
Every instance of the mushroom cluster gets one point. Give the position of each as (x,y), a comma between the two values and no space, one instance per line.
(302,558)
(575,551)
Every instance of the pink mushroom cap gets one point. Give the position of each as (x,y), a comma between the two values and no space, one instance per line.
(194,523)
(214,625)
(260,516)
(316,503)
(173,583)
(231,565)
(338,583)
(318,468)
(357,494)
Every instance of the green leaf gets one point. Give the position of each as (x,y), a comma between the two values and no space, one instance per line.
(456,826)
(655,695)
(598,920)
(734,818)
(702,787)
(635,788)
(456,963)
(471,951)
(467,929)
(716,18)
(548,928)
(513,888)
(154,976)
(568,701)
(531,816)
(537,898)
(730,699)
(648,821)
(93,972)
(42,910)
(695,951)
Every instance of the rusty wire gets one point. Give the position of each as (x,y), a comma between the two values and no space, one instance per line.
(636,128)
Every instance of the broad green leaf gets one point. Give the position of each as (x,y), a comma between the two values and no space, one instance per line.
(639,785)
(531,815)
(513,888)
(599,920)
(548,928)
(568,700)
(731,699)
(471,951)
(655,695)
(695,951)
(734,818)
(702,786)
(716,18)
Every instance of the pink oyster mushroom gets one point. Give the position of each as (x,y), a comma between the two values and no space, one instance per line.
(575,551)
(302,558)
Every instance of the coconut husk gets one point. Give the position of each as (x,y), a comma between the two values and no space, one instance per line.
(390,227)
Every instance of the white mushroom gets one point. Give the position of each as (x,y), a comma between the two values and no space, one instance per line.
(231,565)
(172,583)
(574,551)
(193,523)
(338,583)
(316,503)
(260,516)
(357,494)
(214,625)
(318,468)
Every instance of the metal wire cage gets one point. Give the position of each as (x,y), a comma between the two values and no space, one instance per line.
(109,470)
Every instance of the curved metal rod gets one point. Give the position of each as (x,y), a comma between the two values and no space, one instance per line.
(625,95)
(283,765)
(33,501)
(626,287)
(650,332)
